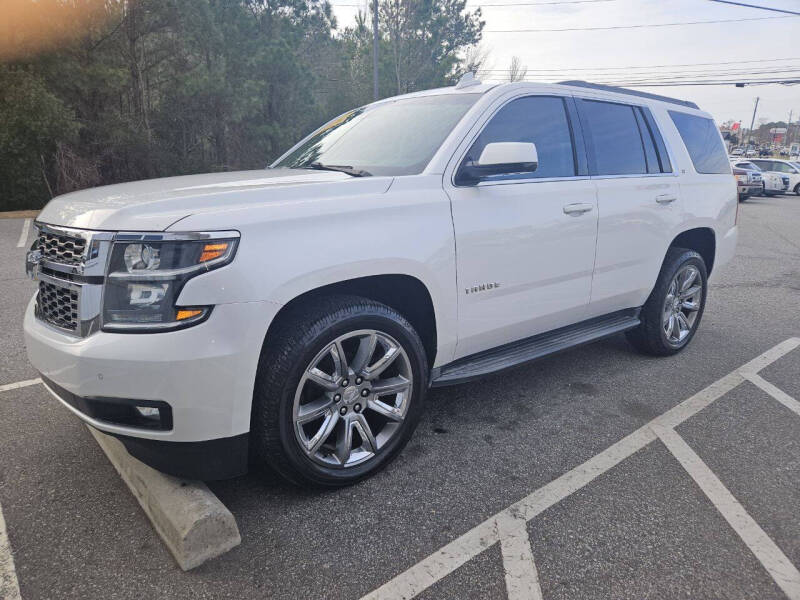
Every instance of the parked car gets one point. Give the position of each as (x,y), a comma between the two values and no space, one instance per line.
(745,185)
(789,168)
(772,182)
(298,314)
(750,152)
(737,152)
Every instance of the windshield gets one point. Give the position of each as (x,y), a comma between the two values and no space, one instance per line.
(393,138)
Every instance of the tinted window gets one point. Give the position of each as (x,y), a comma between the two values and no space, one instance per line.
(784,167)
(615,138)
(538,119)
(763,164)
(703,141)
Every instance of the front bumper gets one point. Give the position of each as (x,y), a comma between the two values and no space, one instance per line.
(749,188)
(204,374)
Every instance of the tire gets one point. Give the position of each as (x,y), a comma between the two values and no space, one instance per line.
(284,388)
(797,189)
(651,337)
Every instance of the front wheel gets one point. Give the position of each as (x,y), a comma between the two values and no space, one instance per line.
(672,313)
(339,391)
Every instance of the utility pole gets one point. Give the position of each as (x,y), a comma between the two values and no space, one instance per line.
(753,121)
(375,49)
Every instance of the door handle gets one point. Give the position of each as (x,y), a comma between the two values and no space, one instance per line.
(666,198)
(578,208)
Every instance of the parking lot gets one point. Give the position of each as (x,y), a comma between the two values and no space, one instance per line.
(597,473)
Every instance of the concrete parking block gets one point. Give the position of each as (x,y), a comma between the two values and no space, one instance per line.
(192,522)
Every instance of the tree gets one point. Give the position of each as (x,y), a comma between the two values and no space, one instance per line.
(516,71)
(425,38)
(32,119)
(104,91)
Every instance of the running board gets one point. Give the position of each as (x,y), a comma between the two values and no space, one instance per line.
(532,348)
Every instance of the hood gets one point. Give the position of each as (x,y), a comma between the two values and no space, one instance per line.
(155,204)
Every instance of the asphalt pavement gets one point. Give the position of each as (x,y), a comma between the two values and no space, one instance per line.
(642,527)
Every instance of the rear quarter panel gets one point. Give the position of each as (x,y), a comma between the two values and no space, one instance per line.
(707,200)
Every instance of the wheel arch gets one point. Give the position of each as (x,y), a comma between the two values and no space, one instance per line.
(407,294)
(700,239)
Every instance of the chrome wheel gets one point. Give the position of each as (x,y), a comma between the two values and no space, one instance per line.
(682,304)
(352,398)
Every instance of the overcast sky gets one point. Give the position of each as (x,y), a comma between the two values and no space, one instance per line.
(613,54)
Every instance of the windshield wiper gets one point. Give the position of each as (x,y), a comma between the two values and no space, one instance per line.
(341,168)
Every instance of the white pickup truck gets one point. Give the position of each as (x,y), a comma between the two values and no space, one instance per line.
(296,316)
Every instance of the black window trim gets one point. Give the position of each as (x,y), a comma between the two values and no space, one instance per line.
(662,153)
(661,150)
(575,132)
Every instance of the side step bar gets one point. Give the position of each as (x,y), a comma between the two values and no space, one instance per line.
(532,348)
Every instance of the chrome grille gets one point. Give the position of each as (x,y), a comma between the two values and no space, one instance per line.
(61,248)
(58,305)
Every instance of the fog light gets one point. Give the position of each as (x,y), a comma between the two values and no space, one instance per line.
(149,412)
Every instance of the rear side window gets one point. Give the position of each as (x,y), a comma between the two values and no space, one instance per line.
(539,119)
(614,137)
(783,167)
(703,141)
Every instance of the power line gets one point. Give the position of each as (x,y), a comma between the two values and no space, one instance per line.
(538,3)
(658,77)
(792,69)
(623,83)
(731,62)
(780,10)
(647,25)
(732,82)
(495,4)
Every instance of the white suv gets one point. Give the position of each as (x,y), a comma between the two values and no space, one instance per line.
(296,316)
(785,167)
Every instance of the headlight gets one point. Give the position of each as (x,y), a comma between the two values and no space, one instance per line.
(146,273)
(742,178)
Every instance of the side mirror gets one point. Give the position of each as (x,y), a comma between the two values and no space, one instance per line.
(499,158)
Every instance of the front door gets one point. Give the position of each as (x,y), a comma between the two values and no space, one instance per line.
(525,243)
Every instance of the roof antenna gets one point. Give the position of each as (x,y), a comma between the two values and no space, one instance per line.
(468,79)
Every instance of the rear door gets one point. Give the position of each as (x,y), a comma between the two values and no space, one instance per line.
(638,200)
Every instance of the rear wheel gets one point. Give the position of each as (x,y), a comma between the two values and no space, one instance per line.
(339,391)
(672,313)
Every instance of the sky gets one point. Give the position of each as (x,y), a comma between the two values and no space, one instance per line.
(770,44)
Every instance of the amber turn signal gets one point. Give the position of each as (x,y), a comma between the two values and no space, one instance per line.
(212,251)
(187,314)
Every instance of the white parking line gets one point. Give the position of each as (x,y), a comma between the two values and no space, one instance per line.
(441,563)
(23,237)
(775,392)
(522,578)
(761,545)
(19,384)
(9,586)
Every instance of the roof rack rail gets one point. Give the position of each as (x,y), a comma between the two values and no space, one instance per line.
(621,90)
